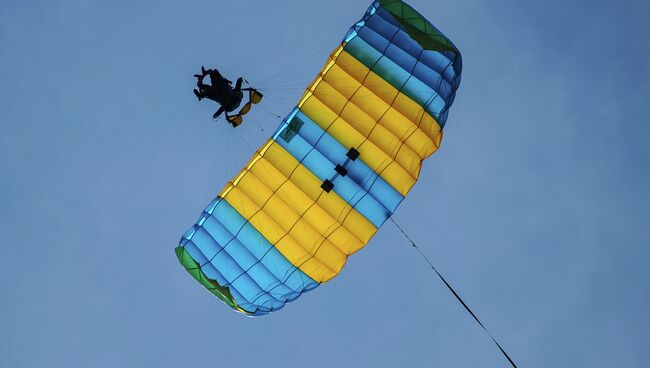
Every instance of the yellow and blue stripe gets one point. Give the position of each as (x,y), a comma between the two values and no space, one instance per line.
(337,167)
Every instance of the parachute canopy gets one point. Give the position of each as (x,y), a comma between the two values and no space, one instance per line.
(335,170)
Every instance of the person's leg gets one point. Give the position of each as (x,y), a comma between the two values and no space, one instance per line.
(219,112)
(199,80)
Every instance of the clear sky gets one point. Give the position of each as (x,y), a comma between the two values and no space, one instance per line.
(536,207)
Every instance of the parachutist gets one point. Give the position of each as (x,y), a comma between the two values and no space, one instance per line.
(222,92)
(219,90)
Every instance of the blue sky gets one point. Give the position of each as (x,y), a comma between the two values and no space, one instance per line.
(536,207)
